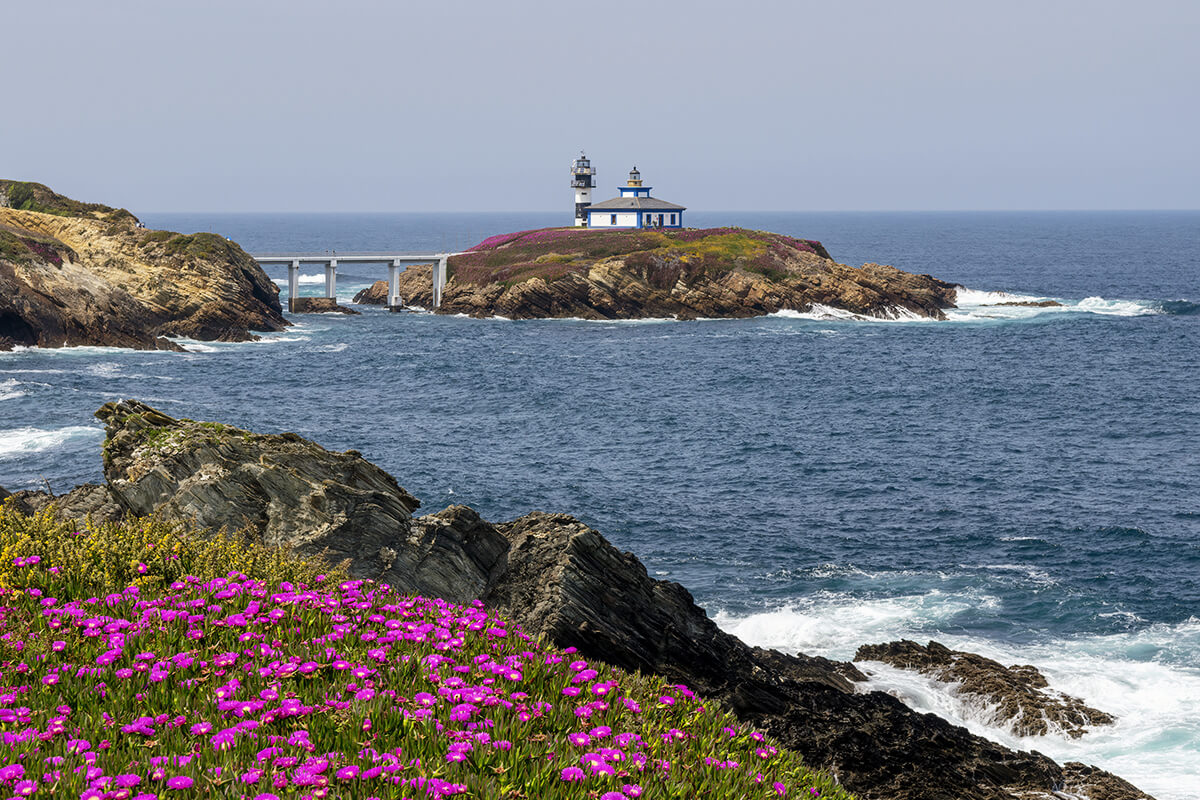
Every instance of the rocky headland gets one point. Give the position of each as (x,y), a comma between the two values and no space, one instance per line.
(684,274)
(75,273)
(560,579)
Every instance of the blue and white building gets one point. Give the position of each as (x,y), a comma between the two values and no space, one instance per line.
(634,208)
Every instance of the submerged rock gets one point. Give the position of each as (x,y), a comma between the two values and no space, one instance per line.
(686,274)
(558,578)
(76,273)
(1019,696)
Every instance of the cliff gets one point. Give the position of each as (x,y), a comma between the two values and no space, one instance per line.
(558,578)
(75,273)
(629,274)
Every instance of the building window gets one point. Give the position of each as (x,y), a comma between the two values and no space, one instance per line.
(672,219)
(612,219)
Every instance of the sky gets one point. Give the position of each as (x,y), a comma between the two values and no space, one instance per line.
(448,105)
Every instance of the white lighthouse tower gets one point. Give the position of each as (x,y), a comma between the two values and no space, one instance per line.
(581,179)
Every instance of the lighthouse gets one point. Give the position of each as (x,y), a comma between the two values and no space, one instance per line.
(581,180)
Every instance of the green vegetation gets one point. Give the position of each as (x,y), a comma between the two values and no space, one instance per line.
(140,657)
(13,249)
(206,246)
(25,196)
(552,253)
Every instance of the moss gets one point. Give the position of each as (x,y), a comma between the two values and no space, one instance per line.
(14,249)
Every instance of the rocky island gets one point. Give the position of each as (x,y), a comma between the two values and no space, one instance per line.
(559,579)
(685,274)
(75,273)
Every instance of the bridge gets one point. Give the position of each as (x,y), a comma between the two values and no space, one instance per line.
(330,261)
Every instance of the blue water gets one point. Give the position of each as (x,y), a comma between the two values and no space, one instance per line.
(1021,483)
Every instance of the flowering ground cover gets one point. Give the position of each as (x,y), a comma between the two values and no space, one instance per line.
(551,253)
(140,660)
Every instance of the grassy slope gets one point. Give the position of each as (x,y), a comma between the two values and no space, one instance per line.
(553,252)
(145,657)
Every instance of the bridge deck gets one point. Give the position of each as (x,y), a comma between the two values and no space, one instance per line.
(379,258)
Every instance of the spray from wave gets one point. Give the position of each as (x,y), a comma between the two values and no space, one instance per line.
(1149,678)
(18,442)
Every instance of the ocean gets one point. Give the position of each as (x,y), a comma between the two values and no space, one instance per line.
(1019,482)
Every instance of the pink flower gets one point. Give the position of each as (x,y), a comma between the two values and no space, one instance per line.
(179,782)
(572,774)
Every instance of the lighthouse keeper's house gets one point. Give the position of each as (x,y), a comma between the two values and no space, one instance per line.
(635,208)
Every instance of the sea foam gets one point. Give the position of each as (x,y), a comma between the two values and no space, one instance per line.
(1148,678)
(18,442)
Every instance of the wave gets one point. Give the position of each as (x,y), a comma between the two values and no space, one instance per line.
(983,306)
(18,442)
(824,313)
(10,389)
(1180,308)
(1149,678)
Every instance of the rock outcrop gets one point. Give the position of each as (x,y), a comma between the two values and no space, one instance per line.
(1018,696)
(320,305)
(76,273)
(563,580)
(718,272)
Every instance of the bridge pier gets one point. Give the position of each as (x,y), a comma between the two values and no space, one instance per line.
(331,278)
(439,280)
(293,284)
(395,302)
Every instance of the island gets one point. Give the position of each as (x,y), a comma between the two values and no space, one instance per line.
(663,273)
(74,273)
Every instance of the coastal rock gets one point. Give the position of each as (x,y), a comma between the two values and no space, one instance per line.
(320,305)
(1019,696)
(718,272)
(89,500)
(376,294)
(560,579)
(76,273)
(1029,303)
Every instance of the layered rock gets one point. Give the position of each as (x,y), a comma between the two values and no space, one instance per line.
(85,274)
(1018,696)
(563,580)
(718,272)
(320,305)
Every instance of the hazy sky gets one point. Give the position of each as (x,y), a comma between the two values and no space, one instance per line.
(183,105)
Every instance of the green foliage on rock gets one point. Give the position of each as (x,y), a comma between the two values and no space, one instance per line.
(28,196)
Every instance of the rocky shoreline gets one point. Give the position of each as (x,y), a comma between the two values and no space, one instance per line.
(75,273)
(560,579)
(687,274)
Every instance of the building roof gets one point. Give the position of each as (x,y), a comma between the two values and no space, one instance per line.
(639,203)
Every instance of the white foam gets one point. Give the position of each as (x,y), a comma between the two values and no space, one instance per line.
(982,306)
(1148,678)
(10,389)
(824,313)
(18,442)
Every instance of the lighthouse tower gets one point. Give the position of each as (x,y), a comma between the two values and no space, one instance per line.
(581,179)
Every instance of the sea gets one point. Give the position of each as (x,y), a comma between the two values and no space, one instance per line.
(1019,482)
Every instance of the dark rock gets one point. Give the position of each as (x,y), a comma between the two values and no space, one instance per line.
(1029,303)
(88,500)
(374,295)
(1020,694)
(1096,784)
(319,305)
(560,579)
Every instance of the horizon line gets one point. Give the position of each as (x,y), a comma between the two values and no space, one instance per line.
(712,211)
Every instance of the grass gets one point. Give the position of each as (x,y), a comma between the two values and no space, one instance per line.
(143,660)
(553,253)
(207,246)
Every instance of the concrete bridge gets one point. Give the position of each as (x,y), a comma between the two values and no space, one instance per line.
(331,261)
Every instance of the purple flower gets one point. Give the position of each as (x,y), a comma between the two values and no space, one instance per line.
(572,774)
(179,782)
